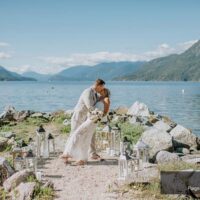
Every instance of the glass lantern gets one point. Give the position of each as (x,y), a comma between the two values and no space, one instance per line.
(115,141)
(51,143)
(42,142)
(123,164)
(31,161)
(141,150)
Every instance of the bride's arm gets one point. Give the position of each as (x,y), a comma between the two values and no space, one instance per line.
(106,102)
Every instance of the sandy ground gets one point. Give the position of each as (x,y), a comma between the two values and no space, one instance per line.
(89,182)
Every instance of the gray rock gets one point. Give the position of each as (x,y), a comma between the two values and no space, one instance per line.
(133,120)
(7,134)
(166,157)
(8,113)
(22,115)
(24,191)
(139,109)
(38,114)
(193,159)
(162,126)
(121,110)
(178,182)
(183,135)
(69,112)
(16,179)
(3,143)
(5,169)
(157,140)
(183,150)
(66,122)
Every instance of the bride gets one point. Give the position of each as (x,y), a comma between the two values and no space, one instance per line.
(78,143)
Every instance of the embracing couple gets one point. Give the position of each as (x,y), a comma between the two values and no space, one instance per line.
(93,105)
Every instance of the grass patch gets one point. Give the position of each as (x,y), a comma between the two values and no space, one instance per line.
(65,129)
(178,166)
(132,132)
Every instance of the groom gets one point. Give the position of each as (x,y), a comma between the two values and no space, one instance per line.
(86,103)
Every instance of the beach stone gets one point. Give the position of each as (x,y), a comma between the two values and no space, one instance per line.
(8,113)
(121,110)
(7,134)
(3,143)
(66,122)
(69,112)
(16,179)
(185,179)
(193,159)
(139,109)
(162,126)
(24,191)
(22,115)
(183,150)
(153,119)
(5,169)
(198,143)
(183,135)
(166,157)
(133,120)
(157,140)
(38,114)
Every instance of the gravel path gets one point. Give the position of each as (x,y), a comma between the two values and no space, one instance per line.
(89,182)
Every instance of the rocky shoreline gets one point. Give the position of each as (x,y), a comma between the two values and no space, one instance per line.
(169,142)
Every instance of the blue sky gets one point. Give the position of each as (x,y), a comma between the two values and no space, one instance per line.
(50,35)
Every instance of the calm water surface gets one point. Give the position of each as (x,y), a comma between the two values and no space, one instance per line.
(165,98)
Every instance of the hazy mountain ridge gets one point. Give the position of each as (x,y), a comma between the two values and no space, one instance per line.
(175,67)
(106,71)
(6,75)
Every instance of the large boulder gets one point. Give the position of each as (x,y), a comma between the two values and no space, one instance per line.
(139,109)
(22,115)
(8,113)
(162,126)
(181,182)
(121,110)
(16,179)
(24,191)
(157,140)
(3,143)
(5,170)
(7,134)
(183,135)
(166,157)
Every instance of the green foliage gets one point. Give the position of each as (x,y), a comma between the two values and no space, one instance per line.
(3,194)
(5,128)
(60,118)
(43,193)
(65,129)
(178,166)
(132,132)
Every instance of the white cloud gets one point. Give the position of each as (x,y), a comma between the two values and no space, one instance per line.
(56,64)
(3,44)
(4,55)
(105,56)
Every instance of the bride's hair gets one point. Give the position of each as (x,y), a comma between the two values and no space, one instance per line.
(106,92)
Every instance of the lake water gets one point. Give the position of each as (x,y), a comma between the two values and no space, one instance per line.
(164,98)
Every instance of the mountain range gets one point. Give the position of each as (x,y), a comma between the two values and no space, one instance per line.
(6,75)
(175,67)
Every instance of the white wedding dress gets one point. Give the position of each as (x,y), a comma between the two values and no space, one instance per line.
(79,141)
